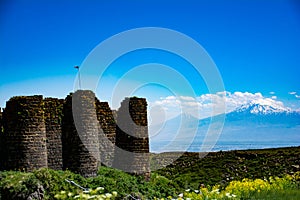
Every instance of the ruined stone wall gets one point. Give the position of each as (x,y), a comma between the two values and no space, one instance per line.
(24,134)
(80,137)
(53,118)
(132,154)
(107,134)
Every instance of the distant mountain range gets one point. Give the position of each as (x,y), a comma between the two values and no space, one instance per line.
(252,125)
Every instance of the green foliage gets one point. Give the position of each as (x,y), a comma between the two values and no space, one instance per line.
(222,175)
(160,186)
(54,181)
(115,183)
(14,185)
(125,184)
(17,185)
(274,188)
(189,171)
(87,194)
(115,180)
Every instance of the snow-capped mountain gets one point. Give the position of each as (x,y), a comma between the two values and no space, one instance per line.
(262,109)
(253,123)
(257,113)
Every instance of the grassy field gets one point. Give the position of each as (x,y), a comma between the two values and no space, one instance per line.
(222,167)
(252,174)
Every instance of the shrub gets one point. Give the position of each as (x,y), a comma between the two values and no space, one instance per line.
(115,184)
(18,185)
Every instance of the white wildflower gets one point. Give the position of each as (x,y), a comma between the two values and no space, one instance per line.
(114,193)
(108,195)
(99,188)
(215,191)
(228,195)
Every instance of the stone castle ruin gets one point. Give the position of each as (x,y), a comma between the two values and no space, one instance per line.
(78,133)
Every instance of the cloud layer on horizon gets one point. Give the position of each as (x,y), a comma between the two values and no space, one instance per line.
(207,105)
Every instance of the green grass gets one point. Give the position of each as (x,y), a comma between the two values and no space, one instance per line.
(222,167)
(20,185)
(188,172)
(288,194)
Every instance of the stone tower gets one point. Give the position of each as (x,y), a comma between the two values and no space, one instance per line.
(132,142)
(24,136)
(77,133)
(80,137)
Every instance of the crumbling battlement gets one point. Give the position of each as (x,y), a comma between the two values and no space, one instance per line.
(77,133)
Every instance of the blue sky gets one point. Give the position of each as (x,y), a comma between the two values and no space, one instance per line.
(255,44)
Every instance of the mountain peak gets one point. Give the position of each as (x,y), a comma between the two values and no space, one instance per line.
(263,108)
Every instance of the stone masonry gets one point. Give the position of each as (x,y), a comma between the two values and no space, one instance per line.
(78,133)
(53,117)
(24,138)
(132,142)
(107,134)
(81,131)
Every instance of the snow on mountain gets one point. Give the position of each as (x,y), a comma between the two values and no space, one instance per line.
(257,123)
(263,108)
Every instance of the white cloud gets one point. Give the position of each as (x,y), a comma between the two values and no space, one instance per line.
(208,105)
(271,93)
(170,98)
(187,98)
(295,94)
